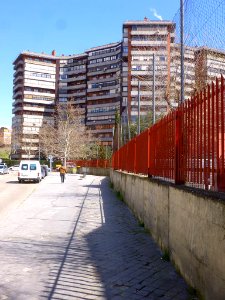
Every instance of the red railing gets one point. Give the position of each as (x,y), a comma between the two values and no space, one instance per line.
(186,146)
(95,163)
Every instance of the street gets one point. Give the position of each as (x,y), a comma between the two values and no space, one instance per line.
(11,192)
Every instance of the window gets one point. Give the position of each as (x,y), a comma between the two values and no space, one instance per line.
(24,167)
(33,167)
(162,58)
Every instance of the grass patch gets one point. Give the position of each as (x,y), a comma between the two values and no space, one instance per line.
(194,294)
(141,223)
(119,196)
(111,185)
(166,255)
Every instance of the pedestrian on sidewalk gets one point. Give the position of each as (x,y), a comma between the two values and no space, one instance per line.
(62,172)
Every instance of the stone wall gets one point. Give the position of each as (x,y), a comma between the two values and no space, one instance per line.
(190,224)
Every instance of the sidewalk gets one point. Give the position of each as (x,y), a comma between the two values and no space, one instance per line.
(77,240)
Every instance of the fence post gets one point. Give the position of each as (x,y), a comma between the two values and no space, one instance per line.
(135,155)
(221,170)
(179,170)
(149,172)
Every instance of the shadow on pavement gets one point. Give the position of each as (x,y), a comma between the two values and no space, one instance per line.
(116,260)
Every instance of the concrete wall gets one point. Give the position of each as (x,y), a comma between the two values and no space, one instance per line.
(94,171)
(188,223)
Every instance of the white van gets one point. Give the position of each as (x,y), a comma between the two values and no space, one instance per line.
(29,170)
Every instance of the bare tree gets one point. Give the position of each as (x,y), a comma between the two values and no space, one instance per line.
(66,137)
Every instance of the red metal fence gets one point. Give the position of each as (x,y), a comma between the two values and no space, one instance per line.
(187,146)
(95,163)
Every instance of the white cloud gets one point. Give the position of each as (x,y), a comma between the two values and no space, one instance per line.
(153,10)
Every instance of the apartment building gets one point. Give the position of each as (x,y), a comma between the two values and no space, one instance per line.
(106,79)
(73,79)
(145,42)
(175,74)
(210,64)
(34,95)
(5,136)
(103,90)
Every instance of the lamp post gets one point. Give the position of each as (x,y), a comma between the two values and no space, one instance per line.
(182,50)
(153,88)
(139,99)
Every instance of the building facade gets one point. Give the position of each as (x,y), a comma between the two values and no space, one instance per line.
(5,136)
(104,80)
(34,96)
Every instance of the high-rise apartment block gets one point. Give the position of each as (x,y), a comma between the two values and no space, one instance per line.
(144,66)
(5,136)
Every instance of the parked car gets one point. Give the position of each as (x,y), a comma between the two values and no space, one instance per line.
(14,168)
(29,170)
(4,169)
(43,172)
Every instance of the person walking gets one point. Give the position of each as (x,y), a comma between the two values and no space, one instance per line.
(62,172)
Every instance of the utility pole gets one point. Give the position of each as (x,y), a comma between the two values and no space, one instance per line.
(128,122)
(182,50)
(139,96)
(153,88)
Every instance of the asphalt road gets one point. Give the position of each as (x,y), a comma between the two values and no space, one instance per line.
(12,193)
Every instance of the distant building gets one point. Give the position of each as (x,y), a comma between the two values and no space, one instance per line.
(5,136)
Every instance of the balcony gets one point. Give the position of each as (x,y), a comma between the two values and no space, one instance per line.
(78,101)
(103,71)
(104,113)
(104,88)
(104,54)
(108,96)
(104,63)
(100,122)
(75,94)
(39,101)
(20,62)
(37,109)
(107,130)
(20,78)
(78,78)
(38,94)
(17,86)
(76,86)
(148,43)
(116,103)
(17,94)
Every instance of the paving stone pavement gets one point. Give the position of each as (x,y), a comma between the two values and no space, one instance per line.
(77,240)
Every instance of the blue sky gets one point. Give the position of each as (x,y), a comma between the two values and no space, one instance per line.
(68,26)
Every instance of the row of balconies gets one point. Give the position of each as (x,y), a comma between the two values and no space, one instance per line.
(105,113)
(78,78)
(77,86)
(148,43)
(100,122)
(104,63)
(116,103)
(32,108)
(104,55)
(80,71)
(106,88)
(102,130)
(73,94)
(107,96)
(153,32)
